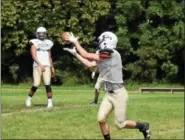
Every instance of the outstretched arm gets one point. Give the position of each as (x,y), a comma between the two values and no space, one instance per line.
(84,53)
(85,61)
(81,50)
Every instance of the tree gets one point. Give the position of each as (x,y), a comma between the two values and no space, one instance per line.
(150,33)
(155,30)
(19,23)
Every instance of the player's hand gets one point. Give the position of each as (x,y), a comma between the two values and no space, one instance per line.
(71,38)
(42,68)
(72,51)
(52,72)
(93,74)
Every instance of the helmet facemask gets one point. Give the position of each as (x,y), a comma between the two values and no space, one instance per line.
(41,33)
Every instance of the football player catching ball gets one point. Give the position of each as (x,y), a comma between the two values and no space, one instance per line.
(109,63)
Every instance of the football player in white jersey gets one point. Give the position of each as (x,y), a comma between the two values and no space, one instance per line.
(42,65)
(109,64)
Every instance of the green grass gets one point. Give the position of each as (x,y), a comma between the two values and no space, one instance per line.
(73,117)
(130,85)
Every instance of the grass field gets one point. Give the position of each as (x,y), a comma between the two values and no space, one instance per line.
(74,118)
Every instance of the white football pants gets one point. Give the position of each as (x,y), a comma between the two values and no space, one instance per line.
(118,102)
(37,74)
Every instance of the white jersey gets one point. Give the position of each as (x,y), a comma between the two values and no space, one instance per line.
(111,69)
(111,72)
(42,52)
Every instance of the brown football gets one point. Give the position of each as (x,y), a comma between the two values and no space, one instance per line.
(64,35)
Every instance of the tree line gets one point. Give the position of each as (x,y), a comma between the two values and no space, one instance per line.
(150,37)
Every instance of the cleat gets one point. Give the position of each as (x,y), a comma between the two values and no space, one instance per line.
(28,103)
(93,103)
(50,105)
(146,131)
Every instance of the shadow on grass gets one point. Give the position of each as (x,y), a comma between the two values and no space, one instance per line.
(41,105)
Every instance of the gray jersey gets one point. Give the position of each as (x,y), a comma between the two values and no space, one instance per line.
(110,70)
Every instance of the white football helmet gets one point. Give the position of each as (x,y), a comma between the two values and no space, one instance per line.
(41,33)
(107,40)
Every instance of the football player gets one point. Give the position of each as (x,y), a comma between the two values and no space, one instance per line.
(109,64)
(99,84)
(42,65)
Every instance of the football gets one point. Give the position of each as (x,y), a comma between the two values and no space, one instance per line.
(64,35)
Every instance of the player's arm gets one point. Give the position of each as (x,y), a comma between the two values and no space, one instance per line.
(81,50)
(34,57)
(85,61)
(51,63)
(85,54)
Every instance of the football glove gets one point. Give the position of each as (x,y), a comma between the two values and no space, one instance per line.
(71,38)
(72,51)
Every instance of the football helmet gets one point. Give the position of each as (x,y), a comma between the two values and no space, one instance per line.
(107,40)
(41,33)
